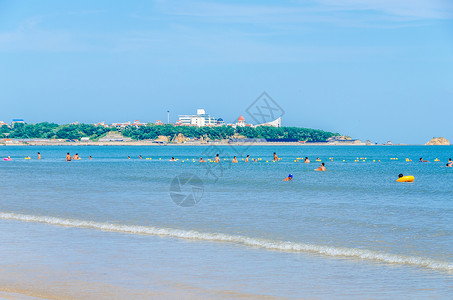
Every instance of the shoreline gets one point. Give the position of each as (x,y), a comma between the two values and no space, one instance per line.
(138,143)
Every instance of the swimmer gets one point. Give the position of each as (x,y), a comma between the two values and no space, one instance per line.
(28,157)
(422,160)
(235,160)
(68,157)
(289,178)
(201,160)
(275,157)
(39,155)
(89,157)
(139,157)
(217,158)
(76,157)
(256,160)
(247,158)
(172,159)
(317,159)
(306,160)
(128,157)
(321,168)
(450,163)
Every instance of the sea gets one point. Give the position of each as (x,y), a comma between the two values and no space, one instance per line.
(119,228)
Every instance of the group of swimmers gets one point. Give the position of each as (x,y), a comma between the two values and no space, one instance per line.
(322,168)
(75,157)
(234,160)
(448,165)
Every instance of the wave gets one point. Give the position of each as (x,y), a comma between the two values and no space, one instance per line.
(238,239)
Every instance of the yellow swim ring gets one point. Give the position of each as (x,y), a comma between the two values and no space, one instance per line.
(406,179)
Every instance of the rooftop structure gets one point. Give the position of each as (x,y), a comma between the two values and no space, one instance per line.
(17,121)
(241,122)
(275,123)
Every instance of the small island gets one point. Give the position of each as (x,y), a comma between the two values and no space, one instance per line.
(439,141)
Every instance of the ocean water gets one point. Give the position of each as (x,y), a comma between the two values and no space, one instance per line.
(117,227)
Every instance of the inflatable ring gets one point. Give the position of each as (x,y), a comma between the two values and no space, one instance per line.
(406,179)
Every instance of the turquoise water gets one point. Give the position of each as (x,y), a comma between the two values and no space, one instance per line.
(349,232)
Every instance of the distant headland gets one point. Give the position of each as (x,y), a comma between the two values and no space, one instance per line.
(151,133)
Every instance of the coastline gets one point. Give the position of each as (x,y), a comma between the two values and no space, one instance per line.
(148,143)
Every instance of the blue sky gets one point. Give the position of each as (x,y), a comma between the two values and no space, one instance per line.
(372,69)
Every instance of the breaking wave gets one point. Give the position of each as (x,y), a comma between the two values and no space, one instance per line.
(239,239)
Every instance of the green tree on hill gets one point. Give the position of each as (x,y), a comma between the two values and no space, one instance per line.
(150,132)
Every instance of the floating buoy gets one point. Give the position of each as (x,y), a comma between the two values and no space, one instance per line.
(406,179)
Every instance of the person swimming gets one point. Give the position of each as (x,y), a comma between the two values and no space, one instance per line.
(306,160)
(289,178)
(201,160)
(217,158)
(275,157)
(76,157)
(422,160)
(128,157)
(247,158)
(450,163)
(89,157)
(172,159)
(68,157)
(235,160)
(321,168)
(139,157)
(39,155)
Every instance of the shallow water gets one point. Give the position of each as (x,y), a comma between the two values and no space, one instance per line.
(349,232)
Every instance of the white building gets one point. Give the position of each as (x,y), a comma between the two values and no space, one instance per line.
(275,123)
(200,119)
(241,122)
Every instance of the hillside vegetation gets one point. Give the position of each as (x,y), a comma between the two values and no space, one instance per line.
(76,131)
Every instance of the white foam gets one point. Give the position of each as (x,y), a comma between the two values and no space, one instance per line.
(238,239)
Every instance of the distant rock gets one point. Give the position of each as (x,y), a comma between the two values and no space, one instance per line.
(438,141)
(162,138)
